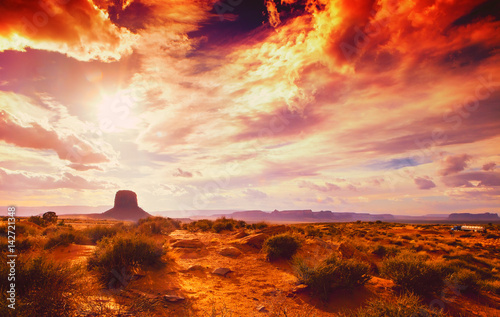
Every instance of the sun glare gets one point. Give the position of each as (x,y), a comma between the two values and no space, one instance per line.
(115,112)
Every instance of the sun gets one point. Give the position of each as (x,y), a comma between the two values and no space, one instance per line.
(115,112)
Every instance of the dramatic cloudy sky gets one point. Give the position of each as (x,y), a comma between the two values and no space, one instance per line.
(344,105)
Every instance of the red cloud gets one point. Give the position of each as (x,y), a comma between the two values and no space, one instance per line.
(424,183)
(454,164)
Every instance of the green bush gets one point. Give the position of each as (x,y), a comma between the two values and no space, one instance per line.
(332,273)
(124,252)
(158,225)
(414,273)
(44,288)
(280,246)
(404,306)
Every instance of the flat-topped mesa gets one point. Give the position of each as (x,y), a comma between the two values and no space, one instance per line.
(125,208)
(126,199)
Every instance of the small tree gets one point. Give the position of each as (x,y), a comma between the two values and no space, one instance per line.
(50,216)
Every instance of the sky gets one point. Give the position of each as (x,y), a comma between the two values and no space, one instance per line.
(346,105)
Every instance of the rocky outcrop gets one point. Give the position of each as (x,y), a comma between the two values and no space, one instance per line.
(254,240)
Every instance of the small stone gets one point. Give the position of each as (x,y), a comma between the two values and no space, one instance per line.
(173,298)
(230,252)
(222,271)
(196,267)
(261,308)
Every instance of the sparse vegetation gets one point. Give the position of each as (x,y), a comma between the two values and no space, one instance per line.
(280,246)
(45,288)
(414,273)
(404,306)
(465,280)
(330,274)
(158,225)
(124,252)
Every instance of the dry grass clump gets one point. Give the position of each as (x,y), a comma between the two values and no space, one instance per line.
(415,273)
(124,252)
(97,233)
(330,274)
(466,280)
(404,306)
(44,288)
(65,237)
(280,246)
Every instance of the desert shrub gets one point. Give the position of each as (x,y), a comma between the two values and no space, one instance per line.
(491,286)
(124,252)
(330,274)
(280,246)
(257,225)
(38,221)
(312,231)
(465,280)
(158,225)
(96,233)
(200,225)
(223,223)
(404,306)
(50,217)
(64,238)
(406,237)
(380,251)
(414,273)
(491,236)
(44,288)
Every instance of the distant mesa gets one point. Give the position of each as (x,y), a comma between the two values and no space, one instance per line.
(125,208)
(474,217)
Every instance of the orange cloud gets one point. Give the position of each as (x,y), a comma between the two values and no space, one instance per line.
(77,28)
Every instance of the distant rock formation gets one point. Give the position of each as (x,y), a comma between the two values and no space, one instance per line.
(125,208)
(474,217)
(306,216)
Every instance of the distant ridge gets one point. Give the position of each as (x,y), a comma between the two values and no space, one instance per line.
(474,217)
(306,215)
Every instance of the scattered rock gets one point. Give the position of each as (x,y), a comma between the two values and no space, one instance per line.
(301,288)
(240,234)
(188,243)
(230,252)
(273,230)
(255,240)
(196,267)
(261,308)
(222,271)
(173,298)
